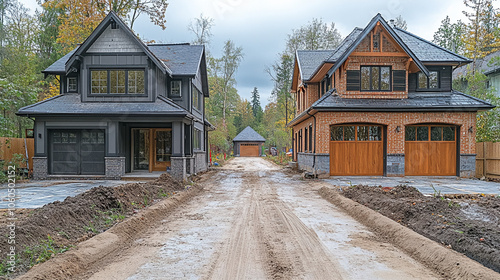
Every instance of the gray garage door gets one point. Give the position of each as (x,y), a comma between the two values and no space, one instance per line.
(77,152)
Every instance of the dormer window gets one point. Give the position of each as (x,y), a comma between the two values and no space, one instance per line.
(72,84)
(176,88)
(375,78)
(431,82)
(118,82)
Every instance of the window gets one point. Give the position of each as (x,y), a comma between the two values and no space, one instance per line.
(431,82)
(175,88)
(430,133)
(197,139)
(356,133)
(196,99)
(375,78)
(310,138)
(117,82)
(306,139)
(72,85)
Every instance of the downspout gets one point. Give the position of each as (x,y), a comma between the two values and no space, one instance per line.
(314,150)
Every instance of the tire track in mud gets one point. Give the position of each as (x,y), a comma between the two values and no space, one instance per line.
(268,240)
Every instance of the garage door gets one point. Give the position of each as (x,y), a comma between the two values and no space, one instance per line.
(430,150)
(249,150)
(356,150)
(77,152)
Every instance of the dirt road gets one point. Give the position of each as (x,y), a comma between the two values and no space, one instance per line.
(253,221)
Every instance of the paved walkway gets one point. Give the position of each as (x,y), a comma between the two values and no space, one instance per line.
(34,194)
(425,185)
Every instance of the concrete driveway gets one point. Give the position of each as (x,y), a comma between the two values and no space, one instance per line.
(425,185)
(35,194)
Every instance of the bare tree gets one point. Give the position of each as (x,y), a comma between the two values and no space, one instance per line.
(201,27)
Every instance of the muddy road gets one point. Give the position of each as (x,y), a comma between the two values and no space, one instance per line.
(253,221)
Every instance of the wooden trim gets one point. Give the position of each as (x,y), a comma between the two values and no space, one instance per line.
(384,54)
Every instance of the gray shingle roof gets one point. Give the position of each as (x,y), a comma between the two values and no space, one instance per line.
(60,65)
(249,135)
(71,104)
(346,43)
(309,61)
(182,59)
(482,64)
(427,51)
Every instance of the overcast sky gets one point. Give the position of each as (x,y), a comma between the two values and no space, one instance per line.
(260,27)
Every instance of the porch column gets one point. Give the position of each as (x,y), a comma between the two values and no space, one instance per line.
(178,159)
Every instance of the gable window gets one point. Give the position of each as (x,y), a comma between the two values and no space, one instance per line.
(196,99)
(176,88)
(431,82)
(117,82)
(375,78)
(72,85)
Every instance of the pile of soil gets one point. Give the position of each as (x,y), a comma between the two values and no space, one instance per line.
(59,225)
(468,224)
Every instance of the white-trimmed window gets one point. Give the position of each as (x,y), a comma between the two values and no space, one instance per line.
(176,88)
(72,84)
(197,139)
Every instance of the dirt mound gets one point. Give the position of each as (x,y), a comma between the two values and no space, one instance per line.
(469,225)
(58,225)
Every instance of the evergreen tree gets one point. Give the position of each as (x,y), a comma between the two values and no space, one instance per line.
(256,108)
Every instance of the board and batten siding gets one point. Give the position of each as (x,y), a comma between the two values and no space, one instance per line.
(112,41)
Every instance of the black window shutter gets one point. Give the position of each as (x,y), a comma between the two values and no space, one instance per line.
(399,80)
(353,80)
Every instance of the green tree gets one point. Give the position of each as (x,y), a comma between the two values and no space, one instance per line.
(256,108)
(481,36)
(316,35)
(450,36)
(488,122)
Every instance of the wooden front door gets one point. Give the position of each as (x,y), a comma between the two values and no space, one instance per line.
(249,150)
(162,149)
(356,150)
(152,148)
(430,150)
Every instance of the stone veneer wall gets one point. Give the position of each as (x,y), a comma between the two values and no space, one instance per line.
(395,165)
(321,163)
(40,168)
(200,162)
(178,167)
(468,165)
(115,167)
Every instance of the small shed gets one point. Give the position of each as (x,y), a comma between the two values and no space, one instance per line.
(248,143)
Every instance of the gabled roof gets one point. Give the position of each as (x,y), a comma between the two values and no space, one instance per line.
(249,135)
(310,61)
(427,51)
(419,49)
(108,20)
(181,59)
(416,101)
(71,104)
(375,20)
(483,65)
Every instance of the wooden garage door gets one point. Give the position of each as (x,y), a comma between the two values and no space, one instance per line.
(356,150)
(430,150)
(77,152)
(249,150)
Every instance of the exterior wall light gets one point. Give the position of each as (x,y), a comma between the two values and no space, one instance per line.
(398,129)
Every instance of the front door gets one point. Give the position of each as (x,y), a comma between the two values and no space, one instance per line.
(162,148)
(152,148)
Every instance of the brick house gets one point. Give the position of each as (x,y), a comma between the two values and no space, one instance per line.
(124,107)
(382,104)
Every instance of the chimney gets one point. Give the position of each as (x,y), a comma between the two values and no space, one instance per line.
(392,23)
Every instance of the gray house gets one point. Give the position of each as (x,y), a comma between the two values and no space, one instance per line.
(124,106)
(489,66)
(248,143)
